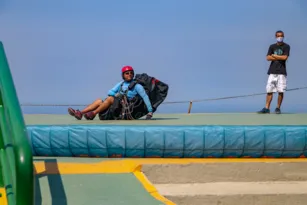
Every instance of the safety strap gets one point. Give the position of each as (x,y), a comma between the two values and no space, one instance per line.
(126,108)
(125,103)
(130,87)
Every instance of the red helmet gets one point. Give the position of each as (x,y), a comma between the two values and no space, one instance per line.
(127,68)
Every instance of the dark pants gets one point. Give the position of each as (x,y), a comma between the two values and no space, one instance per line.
(134,109)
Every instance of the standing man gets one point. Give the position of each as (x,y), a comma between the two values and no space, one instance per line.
(278,54)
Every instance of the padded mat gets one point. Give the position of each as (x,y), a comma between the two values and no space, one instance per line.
(168,141)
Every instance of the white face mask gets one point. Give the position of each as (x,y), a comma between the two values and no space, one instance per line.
(280,39)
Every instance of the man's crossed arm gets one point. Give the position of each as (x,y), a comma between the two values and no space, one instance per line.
(274,57)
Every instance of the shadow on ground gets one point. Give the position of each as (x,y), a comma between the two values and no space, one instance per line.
(56,187)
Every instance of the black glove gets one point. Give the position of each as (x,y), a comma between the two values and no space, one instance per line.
(149,116)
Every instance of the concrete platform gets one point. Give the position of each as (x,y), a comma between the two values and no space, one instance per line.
(178,119)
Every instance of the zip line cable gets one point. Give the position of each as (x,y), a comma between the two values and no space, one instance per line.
(170,102)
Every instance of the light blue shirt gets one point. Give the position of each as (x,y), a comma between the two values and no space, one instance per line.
(137,89)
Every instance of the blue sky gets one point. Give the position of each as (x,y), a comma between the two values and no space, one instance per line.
(71,52)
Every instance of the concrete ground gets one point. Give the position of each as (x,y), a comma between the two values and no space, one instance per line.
(177,119)
(231,183)
(91,189)
(88,181)
(96,181)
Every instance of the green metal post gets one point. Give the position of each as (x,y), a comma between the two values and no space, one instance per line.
(23,154)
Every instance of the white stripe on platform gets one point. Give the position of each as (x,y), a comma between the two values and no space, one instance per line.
(233,188)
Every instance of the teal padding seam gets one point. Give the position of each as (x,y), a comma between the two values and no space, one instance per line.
(168,141)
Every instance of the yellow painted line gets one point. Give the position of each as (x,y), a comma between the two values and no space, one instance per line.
(150,188)
(3,199)
(116,166)
(130,165)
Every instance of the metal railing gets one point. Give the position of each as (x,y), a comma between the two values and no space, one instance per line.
(15,150)
(189,102)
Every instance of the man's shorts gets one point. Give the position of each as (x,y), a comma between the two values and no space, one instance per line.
(276,83)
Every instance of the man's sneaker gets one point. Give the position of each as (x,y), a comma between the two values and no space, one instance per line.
(75,113)
(277,111)
(89,116)
(264,111)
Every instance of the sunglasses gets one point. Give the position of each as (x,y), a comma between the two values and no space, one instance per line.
(129,73)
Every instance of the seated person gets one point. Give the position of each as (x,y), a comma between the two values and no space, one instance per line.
(118,90)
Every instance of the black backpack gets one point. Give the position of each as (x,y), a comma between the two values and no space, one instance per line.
(156,90)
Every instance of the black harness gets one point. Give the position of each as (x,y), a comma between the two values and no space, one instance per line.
(126,105)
